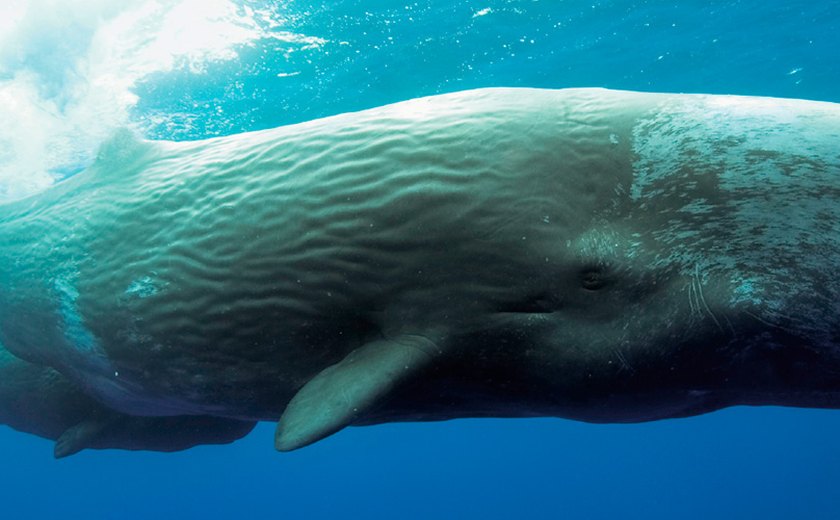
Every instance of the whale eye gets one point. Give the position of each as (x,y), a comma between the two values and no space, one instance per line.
(594,278)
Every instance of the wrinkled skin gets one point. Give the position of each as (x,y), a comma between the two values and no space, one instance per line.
(590,254)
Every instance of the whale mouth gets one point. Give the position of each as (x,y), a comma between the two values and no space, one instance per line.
(541,303)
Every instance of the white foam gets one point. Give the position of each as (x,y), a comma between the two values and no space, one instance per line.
(68,70)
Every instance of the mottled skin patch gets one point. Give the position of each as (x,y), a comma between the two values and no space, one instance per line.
(599,255)
(757,185)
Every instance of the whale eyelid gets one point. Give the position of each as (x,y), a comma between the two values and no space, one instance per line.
(594,277)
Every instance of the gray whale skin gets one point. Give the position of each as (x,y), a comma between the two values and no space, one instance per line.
(597,255)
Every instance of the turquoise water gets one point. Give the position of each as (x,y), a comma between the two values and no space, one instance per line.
(71,73)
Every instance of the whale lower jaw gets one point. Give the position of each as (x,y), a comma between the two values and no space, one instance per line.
(622,409)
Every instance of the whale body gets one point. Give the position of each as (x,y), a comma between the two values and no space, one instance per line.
(598,255)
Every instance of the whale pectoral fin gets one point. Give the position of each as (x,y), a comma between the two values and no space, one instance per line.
(167,434)
(343,392)
(78,437)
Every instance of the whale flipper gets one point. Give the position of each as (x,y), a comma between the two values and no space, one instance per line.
(342,393)
(78,437)
(38,399)
(167,434)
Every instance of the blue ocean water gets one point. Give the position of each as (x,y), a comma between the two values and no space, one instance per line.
(72,72)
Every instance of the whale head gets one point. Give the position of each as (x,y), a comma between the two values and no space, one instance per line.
(671,258)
